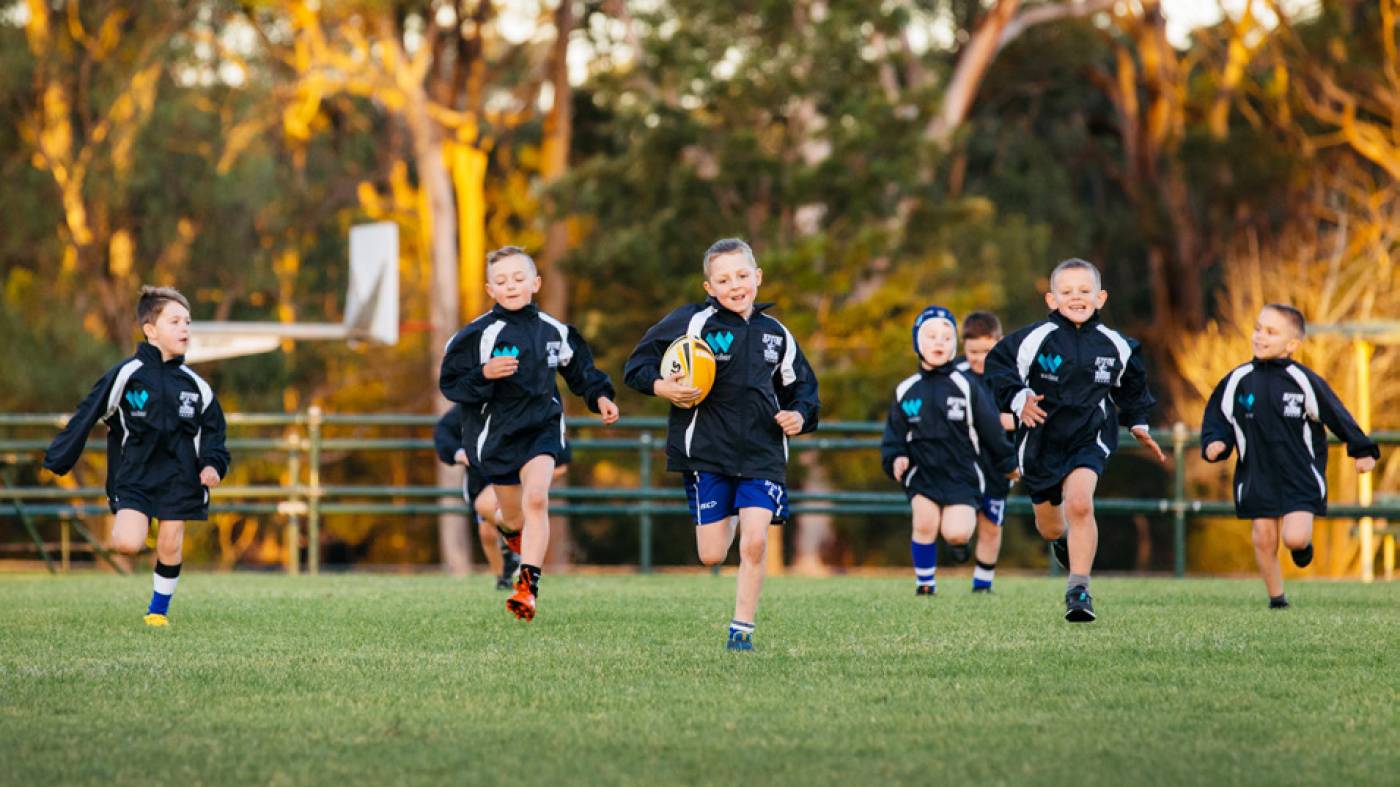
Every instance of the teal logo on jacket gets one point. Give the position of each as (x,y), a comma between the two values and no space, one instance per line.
(720,341)
(507,352)
(138,399)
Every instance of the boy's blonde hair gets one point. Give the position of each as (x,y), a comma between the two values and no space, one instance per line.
(1076,264)
(728,246)
(510,251)
(153,300)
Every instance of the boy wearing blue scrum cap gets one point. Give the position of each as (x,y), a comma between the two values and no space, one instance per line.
(941,425)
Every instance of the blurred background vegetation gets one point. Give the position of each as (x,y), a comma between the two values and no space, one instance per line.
(879,157)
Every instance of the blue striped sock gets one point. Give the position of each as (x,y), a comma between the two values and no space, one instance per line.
(737,626)
(164,580)
(982,575)
(925,562)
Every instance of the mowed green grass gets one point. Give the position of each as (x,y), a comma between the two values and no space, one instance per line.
(425,679)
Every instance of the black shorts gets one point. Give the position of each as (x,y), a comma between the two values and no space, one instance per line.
(167,502)
(473,484)
(939,487)
(543,442)
(1091,457)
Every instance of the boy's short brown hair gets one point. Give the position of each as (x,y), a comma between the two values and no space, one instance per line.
(153,300)
(981,325)
(510,251)
(1292,315)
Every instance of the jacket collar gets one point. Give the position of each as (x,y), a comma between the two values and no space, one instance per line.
(939,371)
(758,308)
(524,312)
(1273,363)
(149,353)
(1064,322)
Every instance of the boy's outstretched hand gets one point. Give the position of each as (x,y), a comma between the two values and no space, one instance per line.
(1145,437)
(1031,414)
(790,421)
(1365,464)
(670,388)
(209,477)
(607,410)
(500,366)
(1214,450)
(901,466)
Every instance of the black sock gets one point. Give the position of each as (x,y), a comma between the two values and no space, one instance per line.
(531,575)
(1278,602)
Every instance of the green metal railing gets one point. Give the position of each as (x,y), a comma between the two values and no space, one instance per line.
(304,444)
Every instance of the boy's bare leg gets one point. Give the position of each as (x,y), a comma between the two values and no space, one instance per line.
(170,542)
(1079,514)
(485,506)
(1297,529)
(1265,536)
(927,518)
(923,547)
(1049,521)
(129,531)
(535,478)
(753,551)
(958,522)
(712,541)
(988,540)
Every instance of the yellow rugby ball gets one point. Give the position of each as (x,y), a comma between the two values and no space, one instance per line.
(693,359)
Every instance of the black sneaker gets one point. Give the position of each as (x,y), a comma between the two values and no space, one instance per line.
(986,590)
(1279,602)
(959,553)
(1060,549)
(503,583)
(1079,605)
(924,590)
(1302,557)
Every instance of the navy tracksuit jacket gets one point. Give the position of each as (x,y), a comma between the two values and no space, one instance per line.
(998,485)
(521,415)
(164,426)
(945,421)
(759,371)
(1272,414)
(1092,378)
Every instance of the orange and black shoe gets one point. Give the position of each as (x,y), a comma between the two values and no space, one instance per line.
(512,541)
(522,602)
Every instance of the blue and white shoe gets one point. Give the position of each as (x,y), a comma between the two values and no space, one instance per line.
(739,640)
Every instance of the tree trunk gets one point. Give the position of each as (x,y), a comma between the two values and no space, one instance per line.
(444,305)
(554,293)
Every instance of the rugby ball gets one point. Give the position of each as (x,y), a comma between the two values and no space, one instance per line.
(692,357)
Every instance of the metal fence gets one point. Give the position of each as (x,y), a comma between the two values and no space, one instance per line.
(303,504)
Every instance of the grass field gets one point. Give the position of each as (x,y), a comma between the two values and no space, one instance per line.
(388,680)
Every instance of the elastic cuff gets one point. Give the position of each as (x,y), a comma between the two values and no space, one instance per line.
(1020,401)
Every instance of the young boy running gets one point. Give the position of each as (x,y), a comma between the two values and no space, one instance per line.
(941,427)
(1064,377)
(503,365)
(732,447)
(449,436)
(981,332)
(1272,411)
(165,441)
